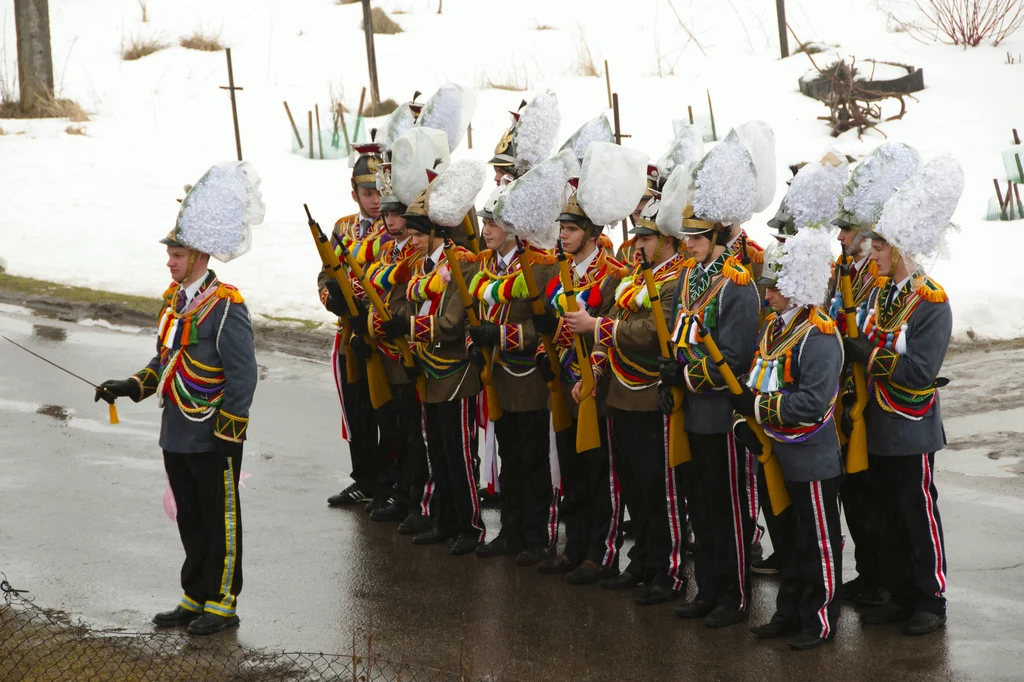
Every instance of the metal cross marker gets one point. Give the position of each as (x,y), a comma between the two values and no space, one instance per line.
(234,106)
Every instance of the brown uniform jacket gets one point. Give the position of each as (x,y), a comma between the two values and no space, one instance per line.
(389,275)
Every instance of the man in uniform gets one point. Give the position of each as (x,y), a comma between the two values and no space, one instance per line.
(359,424)
(627,337)
(528,508)
(205,374)
(435,322)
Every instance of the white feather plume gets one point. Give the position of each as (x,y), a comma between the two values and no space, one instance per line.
(725,183)
(916,218)
(454,192)
(674,197)
(413,152)
(537,130)
(612,181)
(218,212)
(530,205)
(759,139)
(686,148)
(597,129)
(813,198)
(398,121)
(876,179)
(806,267)
(449,109)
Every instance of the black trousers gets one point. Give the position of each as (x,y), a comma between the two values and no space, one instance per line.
(653,495)
(359,421)
(859,507)
(205,487)
(912,548)
(775,524)
(721,520)
(810,594)
(451,441)
(528,513)
(592,499)
(401,428)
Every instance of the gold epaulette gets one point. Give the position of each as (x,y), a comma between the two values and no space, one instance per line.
(170,290)
(540,256)
(605,242)
(344,222)
(464,255)
(484,255)
(229,292)
(735,272)
(689,263)
(615,268)
(930,291)
(755,253)
(824,323)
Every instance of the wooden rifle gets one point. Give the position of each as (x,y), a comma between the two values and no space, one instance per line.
(857,443)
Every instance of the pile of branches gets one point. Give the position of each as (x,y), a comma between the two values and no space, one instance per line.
(852,105)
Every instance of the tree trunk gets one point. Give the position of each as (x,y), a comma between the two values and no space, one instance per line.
(35,61)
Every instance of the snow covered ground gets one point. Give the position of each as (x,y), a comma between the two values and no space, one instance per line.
(89,210)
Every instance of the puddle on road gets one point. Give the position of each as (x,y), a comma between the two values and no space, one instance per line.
(130,329)
(58,412)
(979,462)
(49,333)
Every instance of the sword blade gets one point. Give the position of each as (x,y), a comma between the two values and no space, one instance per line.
(49,361)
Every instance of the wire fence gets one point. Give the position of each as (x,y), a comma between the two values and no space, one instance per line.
(40,645)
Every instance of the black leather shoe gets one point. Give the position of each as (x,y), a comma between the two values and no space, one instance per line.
(807,640)
(890,613)
(431,537)
(389,514)
(871,596)
(723,617)
(776,627)
(176,617)
(698,608)
(557,564)
(656,594)
(464,544)
(923,622)
(766,566)
(487,498)
(589,573)
(851,588)
(531,556)
(349,496)
(498,546)
(623,581)
(414,524)
(377,503)
(209,623)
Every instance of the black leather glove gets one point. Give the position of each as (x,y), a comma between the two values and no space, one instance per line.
(476,356)
(858,349)
(672,373)
(741,429)
(335,299)
(666,403)
(362,349)
(486,335)
(743,403)
(544,367)
(415,371)
(546,322)
(226,448)
(118,388)
(846,422)
(396,327)
(359,322)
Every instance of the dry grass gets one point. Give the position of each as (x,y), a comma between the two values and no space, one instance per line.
(2,133)
(56,108)
(75,130)
(544,27)
(584,64)
(205,41)
(514,80)
(139,47)
(382,23)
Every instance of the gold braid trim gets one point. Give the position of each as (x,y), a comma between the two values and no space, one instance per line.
(148,381)
(231,428)
(540,257)
(735,272)
(754,254)
(824,323)
(930,291)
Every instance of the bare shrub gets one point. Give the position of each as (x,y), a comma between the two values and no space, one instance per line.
(544,27)
(55,108)
(139,47)
(964,22)
(75,130)
(584,64)
(203,40)
(382,23)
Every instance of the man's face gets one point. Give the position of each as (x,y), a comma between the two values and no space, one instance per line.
(640,207)
(177,262)
(368,200)
(499,173)
(420,242)
(649,244)
(847,237)
(776,301)
(395,224)
(573,238)
(699,246)
(881,253)
(494,236)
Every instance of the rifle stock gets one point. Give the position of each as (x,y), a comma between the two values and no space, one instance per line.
(678,442)
(380,389)
(494,411)
(857,444)
(469,224)
(560,417)
(588,431)
(772,471)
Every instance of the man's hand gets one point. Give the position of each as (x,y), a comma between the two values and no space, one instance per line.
(413,372)
(476,356)
(396,327)
(362,349)
(578,389)
(544,367)
(359,323)
(671,373)
(666,402)
(335,299)
(580,322)
(486,335)
(858,349)
(118,388)
(546,322)
(743,403)
(226,448)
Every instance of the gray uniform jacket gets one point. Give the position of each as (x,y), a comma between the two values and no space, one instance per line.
(817,360)
(737,312)
(225,353)
(890,374)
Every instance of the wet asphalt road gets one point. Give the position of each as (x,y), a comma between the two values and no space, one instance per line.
(82,525)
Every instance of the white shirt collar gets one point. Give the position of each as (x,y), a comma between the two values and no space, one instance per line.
(399,245)
(659,266)
(581,267)
(192,289)
(902,283)
(506,259)
(436,256)
(788,315)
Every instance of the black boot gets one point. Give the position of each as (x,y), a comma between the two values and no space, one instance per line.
(698,608)
(349,496)
(656,594)
(531,556)
(389,514)
(209,623)
(807,640)
(434,536)
(176,617)
(414,524)
(923,622)
(464,544)
(623,581)
(724,616)
(776,627)
(498,546)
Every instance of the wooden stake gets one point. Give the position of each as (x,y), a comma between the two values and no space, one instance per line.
(469,135)
(608,83)
(999,197)
(310,118)
(1016,138)
(319,135)
(1020,206)
(714,134)
(295,128)
(230,87)
(344,129)
(1020,170)
(371,55)
(689,110)
(618,141)
(780,11)
(359,115)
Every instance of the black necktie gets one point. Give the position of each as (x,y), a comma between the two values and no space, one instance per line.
(364,227)
(179,306)
(428,265)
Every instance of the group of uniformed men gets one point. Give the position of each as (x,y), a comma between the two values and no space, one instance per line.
(775,318)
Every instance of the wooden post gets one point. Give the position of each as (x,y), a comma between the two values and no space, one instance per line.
(35,58)
(780,10)
(714,135)
(295,128)
(1016,193)
(234,105)
(999,198)
(319,135)
(608,83)
(309,116)
(344,129)
(469,135)
(371,55)
(689,111)
(359,116)
(1016,138)
(618,141)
